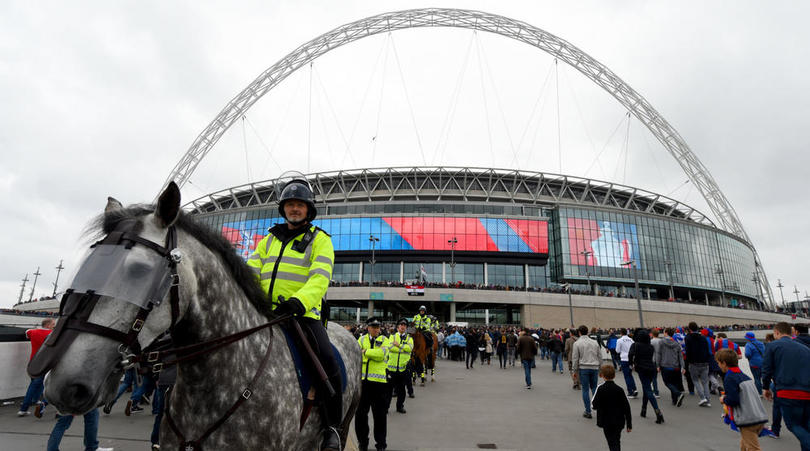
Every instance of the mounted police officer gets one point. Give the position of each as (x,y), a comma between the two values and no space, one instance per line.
(400,345)
(294,263)
(375,389)
(424,324)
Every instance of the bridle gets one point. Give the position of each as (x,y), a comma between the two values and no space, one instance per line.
(77,305)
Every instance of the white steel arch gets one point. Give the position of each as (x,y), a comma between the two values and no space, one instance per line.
(698,174)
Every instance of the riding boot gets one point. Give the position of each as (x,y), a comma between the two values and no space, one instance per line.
(334,417)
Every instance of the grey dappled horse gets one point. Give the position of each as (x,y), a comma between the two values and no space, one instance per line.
(218,296)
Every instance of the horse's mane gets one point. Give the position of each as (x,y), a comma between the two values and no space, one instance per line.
(245,278)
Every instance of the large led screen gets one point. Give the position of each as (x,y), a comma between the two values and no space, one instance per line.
(411,233)
(602,243)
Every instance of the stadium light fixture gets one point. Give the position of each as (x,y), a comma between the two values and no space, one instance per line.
(632,263)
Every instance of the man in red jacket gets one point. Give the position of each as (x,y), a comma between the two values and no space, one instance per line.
(35,388)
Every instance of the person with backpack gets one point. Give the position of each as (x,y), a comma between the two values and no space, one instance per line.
(745,407)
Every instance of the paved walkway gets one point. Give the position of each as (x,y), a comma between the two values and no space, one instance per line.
(463,410)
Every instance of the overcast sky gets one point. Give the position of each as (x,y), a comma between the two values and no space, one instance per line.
(103,98)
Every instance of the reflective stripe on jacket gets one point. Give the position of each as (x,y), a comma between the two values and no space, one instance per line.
(287,272)
(373,368)
(421,322)
(398,356)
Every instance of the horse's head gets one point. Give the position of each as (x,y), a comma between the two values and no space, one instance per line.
(119,302)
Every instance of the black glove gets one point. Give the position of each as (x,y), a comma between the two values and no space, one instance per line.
(291,306)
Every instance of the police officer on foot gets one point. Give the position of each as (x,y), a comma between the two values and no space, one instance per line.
(400,345)
(375,390)
(294,263)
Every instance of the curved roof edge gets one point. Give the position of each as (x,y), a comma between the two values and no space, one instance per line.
(447,183)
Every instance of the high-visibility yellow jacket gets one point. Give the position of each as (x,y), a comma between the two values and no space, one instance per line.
(421,322)
(373,368)
(398,356)
(285,269)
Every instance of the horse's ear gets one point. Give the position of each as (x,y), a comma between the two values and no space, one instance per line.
(112,205)
(168,206)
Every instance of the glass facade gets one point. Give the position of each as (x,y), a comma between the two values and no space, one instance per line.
(599,245)
(383,271)
(506,275)
(579,243)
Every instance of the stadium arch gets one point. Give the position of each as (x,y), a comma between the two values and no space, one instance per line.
(561,49)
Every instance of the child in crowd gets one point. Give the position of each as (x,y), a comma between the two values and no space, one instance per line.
(612,408)
(745,409)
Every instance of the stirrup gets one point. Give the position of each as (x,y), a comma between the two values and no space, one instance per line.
(326,437)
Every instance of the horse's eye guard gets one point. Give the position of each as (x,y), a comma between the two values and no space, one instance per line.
(135,275)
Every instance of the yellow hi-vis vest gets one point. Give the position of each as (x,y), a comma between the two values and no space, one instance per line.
(285,270)
(373,368)
(398,356)
(421,322)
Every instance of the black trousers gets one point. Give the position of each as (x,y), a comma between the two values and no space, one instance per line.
(409,379)
(688,377)
(397,382)
(319,340)
(613,437)
(471,357)
(374,396)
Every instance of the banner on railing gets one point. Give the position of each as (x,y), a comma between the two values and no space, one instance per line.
(415,290)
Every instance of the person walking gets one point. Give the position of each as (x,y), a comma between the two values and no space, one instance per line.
(754,352)
(33,394)
(623,345)
(611,347)
(740,396)
(698,354)
(785,363)
(655,341)
(472,348)
(501,348)
(569,348)
(612,408)
(641,358)
(555,347)
(586,361)
(63,422)
(511,347)
(527,349)
(669,359)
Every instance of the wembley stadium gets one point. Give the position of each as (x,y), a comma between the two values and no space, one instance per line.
(486,245)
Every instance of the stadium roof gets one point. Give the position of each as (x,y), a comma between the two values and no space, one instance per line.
(459,184)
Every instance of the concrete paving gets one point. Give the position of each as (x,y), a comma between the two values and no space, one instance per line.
(463,410)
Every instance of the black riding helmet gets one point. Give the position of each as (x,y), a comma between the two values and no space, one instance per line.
(298,189)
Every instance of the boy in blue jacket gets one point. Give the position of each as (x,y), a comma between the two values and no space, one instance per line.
(745,409)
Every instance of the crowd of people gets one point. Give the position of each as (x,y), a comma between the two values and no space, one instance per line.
(704,357)
(559,289)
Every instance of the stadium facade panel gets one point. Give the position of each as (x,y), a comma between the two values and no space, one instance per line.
(485,228)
